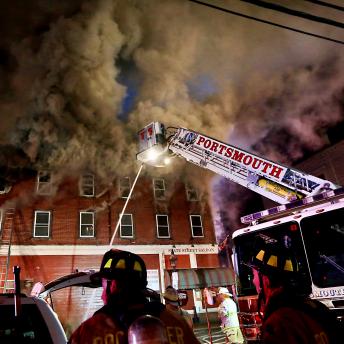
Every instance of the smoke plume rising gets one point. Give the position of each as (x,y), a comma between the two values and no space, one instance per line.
(68,70)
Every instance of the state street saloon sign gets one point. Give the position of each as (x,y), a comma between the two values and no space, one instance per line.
(199,250)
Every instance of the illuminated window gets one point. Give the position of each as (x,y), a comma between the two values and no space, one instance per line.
(126,226)
(159,188)
(124,187)
(44,183)
(87,185)
(86,224)
(191,193)
(162,226)
(42,224)
(196,226)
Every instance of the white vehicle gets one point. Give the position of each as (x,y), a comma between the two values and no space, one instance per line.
(310,218)
(37,322)
(28,319)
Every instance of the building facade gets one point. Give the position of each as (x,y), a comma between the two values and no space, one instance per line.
(51,230)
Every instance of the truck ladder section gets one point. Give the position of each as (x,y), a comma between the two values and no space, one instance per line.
(5,249)
(277,182)
(332,196)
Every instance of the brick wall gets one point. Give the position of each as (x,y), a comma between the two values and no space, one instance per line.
(66,204)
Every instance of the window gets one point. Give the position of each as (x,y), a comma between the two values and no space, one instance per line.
(191,193)
(323,236)
(162,226)
(4,187)
(86,224)
(159,188)
(33,326)
(44,183)
(124,187)
(126,226)
(87,185)
(196,226)
(287,235)
(42,224)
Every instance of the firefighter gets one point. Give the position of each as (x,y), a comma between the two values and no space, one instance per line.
(172,302)
(290,316)
(126,297)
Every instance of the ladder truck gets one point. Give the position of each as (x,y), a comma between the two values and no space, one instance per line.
(309,218)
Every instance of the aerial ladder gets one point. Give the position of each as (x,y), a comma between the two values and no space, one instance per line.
(309,217)
(275,181)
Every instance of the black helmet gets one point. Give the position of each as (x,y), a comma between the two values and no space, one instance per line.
(123,265)
(274,260)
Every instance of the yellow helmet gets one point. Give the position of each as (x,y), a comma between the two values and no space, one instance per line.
(272,259)
(123,265)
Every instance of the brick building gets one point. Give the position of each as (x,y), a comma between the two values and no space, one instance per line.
(54,230)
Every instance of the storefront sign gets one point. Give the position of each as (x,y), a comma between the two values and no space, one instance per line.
(199,250)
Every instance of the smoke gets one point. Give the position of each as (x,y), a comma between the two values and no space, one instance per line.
(310,100)
(80,78)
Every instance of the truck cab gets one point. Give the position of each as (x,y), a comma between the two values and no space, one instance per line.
(314,232)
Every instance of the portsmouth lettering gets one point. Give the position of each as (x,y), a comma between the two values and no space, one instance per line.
(241,157)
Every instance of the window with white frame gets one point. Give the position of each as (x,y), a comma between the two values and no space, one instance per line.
(124,187)
(126,226)
(191,193)
(196,226)
(87,185)
(44,183)
(162,226)
(86,224)
(159,188)
(42,224)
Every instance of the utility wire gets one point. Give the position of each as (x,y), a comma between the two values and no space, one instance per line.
(266,21)
(279,8)
(326,4)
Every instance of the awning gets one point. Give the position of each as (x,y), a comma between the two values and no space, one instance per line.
(187,278)
(201,278)
(218,277)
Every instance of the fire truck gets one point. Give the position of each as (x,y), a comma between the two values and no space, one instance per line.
(309,218)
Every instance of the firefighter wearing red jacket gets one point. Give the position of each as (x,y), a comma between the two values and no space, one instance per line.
(126,298)
(290,316)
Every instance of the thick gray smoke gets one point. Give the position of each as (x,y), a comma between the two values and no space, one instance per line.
(69,69)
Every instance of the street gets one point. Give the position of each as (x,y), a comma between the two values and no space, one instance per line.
(216,335)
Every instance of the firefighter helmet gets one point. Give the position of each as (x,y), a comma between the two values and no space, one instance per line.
(123,265)
(272,259)
(171,294)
